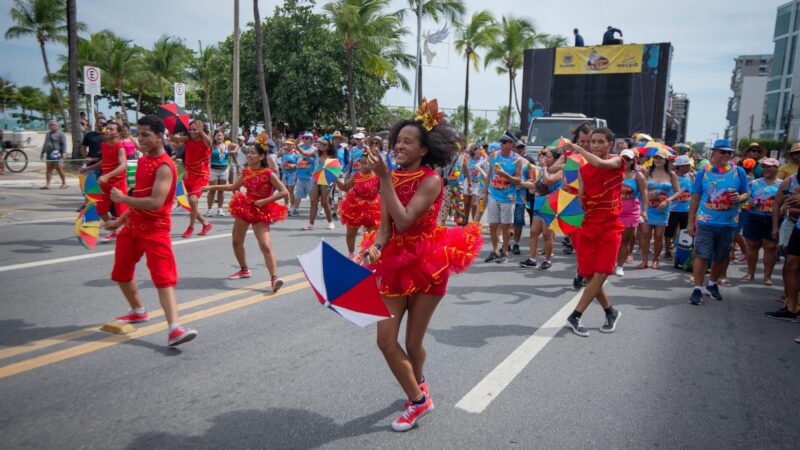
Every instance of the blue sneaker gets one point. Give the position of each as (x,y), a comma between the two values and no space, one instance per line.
(697,297)
(713,291)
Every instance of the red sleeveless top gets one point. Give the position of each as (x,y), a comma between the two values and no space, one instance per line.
(602,192)
(257,183)
(197,159)
(365,187)
(406,184)
(109,160)
(158,219)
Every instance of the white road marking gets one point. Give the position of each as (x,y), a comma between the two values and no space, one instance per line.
(25,222)
(501,376)
(47,262)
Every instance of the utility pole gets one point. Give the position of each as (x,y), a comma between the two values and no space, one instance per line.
(787,125)
(750,136)
(418,83)
(235,112)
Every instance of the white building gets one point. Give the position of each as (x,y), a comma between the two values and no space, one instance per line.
(781,87)
(746,105)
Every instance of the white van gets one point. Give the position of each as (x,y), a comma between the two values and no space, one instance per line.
(544,130)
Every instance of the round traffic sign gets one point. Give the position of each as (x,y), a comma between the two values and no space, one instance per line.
(92,74)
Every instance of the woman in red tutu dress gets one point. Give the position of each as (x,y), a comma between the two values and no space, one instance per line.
(259,208)
(361,206)
(413,256)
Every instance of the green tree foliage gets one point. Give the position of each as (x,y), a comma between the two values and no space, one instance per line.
(769,144)
(478,33)
(167,62)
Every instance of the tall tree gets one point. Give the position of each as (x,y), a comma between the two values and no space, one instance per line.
(72,65)
(515,36)
(202,73)
(262,84)
(370,34)
(30,99)
(167,61)
(8,97)
(46,21)
(476,34)
(552,41)
(117,59)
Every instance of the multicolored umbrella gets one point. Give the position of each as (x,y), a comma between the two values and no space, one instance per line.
(572,166)
(562,211)
(181,197)
(175,118)
(343,286)
(87,226)
(90,188)
(650,148)
(560,142)
(328,173)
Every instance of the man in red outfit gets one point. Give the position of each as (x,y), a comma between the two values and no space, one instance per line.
(600,235)
(146,233)
(197,171)
(113,166)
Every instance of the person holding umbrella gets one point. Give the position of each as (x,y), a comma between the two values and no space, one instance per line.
(197,171)
(321,193)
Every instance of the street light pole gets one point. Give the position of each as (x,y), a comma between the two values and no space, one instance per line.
(235,112)
(417,78)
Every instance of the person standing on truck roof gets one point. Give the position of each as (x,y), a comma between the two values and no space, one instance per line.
(608,36)
(578,38)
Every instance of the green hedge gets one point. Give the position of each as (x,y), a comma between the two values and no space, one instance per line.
(769,144)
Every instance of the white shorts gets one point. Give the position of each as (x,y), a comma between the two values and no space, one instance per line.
(502,213)
(219,176)
(475,189)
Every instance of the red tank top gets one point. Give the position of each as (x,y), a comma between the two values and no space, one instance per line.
(406,185)
(365,187)
(197,159)
(257,183)
(109,161)
(158,219)
(602,191)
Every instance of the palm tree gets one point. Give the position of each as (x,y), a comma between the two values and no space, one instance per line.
(72,66)
(117,59)
(30,99)
(46,21)
(372,36)
(202,73)
(515,36)
(552,41)
(8,97)
(435,10)
(262,84)
(166,61)
(478,33)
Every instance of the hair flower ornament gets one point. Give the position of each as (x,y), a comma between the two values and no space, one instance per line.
(428,114)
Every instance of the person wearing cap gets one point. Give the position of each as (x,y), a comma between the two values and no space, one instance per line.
(662,190)
(679,209)
(519,199)
(287,160)
(634,199)
(355,153)
(792,162)
(306,160)
(719,188)
(757,231)
(546,182)
(238,159)
(505,173)
(757,153)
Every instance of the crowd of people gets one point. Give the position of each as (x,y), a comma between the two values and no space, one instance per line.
(402,189)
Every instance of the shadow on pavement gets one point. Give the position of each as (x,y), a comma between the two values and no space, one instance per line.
(475,336)
(15,332)
(271,428)
(39,246)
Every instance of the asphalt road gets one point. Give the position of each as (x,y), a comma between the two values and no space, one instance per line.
(279,371)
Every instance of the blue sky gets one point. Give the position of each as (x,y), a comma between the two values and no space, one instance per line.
(706,35)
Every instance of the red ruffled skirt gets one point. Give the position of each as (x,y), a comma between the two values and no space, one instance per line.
(355,212)
(423,262)
(243,207)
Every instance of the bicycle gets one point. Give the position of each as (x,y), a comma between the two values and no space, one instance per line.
(14,159)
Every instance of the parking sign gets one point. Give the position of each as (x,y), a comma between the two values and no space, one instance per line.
(91,80)
(180,94)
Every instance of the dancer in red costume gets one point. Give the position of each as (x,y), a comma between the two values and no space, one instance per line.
(113,164)
(258,208)
(147,224)
(197,171)
(361,206)
(600,235)
(412,256)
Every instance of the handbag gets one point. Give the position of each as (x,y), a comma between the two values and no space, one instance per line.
(785,231)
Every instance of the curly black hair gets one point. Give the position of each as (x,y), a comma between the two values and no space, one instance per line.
(443,142)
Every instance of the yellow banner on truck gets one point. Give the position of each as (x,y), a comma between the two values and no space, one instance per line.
(602,59)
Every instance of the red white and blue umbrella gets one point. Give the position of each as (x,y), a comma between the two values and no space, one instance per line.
(343,286)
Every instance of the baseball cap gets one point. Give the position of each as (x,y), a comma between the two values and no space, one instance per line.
(289,141)
(337,133)
(507,138)
(494,146)
(724,145)
(519,144)
(682,160)
(359,136)
(240,138)
(770,162)
(795,147)
(627,153)
(308,134)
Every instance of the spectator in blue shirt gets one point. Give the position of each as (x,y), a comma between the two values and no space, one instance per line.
(719,188)
(578,38)
(608,36)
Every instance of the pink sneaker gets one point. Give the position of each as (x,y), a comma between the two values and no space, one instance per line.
(133,317)
(412,414)
(110,237)
(424,387)
(244,273)
(205,230)
(188,232)
(180,335)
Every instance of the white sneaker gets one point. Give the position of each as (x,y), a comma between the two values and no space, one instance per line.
(308,227)
(220,212)
(619,271)
(331,226)
(209,213)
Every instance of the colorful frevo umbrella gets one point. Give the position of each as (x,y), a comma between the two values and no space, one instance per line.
(175,118)
(328,173)
(572,166)
(650,148)
(560,142)
(343,286)
(181,197)
(87,226)
(90,188)
(562,211)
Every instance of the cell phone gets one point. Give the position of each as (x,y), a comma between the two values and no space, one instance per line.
(787,192)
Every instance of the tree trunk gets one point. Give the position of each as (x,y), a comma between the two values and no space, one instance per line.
(121,98)
(236,73)
(139,103)
(262,84)
(53,87)
(351,95)
(72,63)
(161,87)
(466,102)
(510,87)
(208,110)
(516,99)
(419,82)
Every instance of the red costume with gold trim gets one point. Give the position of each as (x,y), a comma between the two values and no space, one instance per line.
(361,207)
(421,258)
(109,161)
(196,166)
(259,186)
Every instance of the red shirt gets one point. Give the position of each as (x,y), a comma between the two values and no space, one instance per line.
(405,185)
(602,191)
(258,183)
(197,159)
(159,219)
(109,160)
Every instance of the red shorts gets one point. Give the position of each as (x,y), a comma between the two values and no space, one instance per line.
(156,245)
(194,184)
(104,203)
(596,247)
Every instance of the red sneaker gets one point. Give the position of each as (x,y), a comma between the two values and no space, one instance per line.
(244,273)
(109,237)
(133,317)
(424,387)
(188,232)
(180,335)
(412,414)
(205,230)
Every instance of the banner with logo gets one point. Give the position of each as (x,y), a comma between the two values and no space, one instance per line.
(602,59)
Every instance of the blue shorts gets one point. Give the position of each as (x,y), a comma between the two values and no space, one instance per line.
(744,215)
(519,215)
(757,227)
(288,179)
(303,188)
(713,243)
